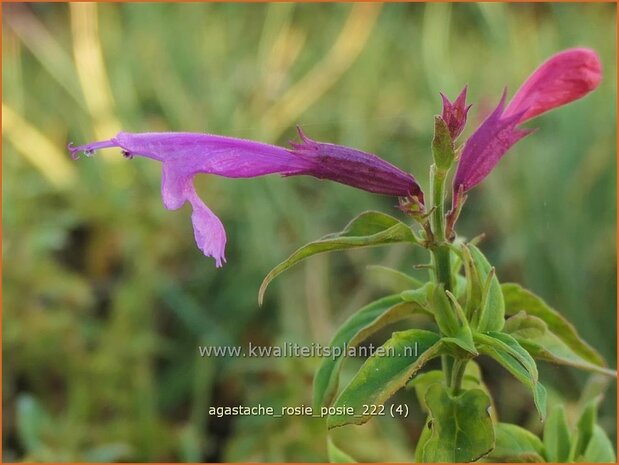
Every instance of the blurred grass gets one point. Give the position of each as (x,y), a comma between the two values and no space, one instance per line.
(106,296)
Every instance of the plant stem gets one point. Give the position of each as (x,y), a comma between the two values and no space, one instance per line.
(441,256)
(457,373)
(440,251)
(447,363)
(442,264)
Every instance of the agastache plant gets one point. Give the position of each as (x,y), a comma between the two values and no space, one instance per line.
(471,312)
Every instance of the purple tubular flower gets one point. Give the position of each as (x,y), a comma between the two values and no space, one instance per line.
(355,168)
(486,147)
(183,155)
(563,78)
(454,113)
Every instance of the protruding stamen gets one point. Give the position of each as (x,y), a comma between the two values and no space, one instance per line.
(89,149)
(75,154)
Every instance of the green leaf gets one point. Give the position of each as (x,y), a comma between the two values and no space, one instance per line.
(425,435)
(504,355)
(460,285)
(337,455)
(557,436)
(32,422)
(474,283)
(535,336)
(508,344)
(461,427)
(421,295)
(600,448)
(390,368)
(491,316)
(356,329)
(443,312)
(458,333)
(422,382)
(366,230)
(393,314)
(463,340)
(470,380)
(392,280)
(584,429)
(595,386)
(517,298)
(515,445)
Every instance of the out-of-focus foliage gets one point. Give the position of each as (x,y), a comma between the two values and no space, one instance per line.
(106,297)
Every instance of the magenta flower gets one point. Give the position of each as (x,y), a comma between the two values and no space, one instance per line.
(183,155)
(454,113)
(563,78)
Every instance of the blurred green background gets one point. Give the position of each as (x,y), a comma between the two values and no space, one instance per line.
(106,296)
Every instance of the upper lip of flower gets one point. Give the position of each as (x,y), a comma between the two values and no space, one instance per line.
(562,78)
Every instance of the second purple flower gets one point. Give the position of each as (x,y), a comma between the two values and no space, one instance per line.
(563,78)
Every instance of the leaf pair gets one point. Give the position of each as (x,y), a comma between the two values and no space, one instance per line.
(406,352)
(355,330)
(514,358)
(546,334)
